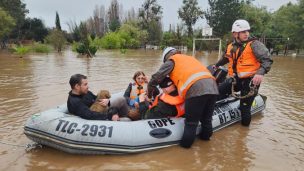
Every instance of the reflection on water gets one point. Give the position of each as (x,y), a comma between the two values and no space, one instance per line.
(274,141)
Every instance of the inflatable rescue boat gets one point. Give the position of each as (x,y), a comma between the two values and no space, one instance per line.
(58,129)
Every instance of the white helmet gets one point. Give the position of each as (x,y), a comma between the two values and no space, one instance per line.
(166,51)
(240,25)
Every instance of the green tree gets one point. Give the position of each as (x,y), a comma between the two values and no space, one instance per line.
(83,31)
(129,35)
(258,17)
(155,32)
(150,19)
(114,25)
(221,15)
(74,31)
(6,25)
(179,36)
(86,46)
(190,12)
(34,28)
(113,15)
(168,39)
(300,23)
(288,22)
(57,39)
(17,10)
(132,36)
(57,21)
(111,41)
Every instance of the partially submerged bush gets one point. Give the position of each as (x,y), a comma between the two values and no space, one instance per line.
(57,39)
(87,47)
(40,48)
(21,50)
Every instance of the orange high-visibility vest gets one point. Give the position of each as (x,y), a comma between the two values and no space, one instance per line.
(186,71)
(178,101)
(247,64)
(135,91)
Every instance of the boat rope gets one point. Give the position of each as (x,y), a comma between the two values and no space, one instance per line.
(28,147)
(11,144)
(253,90)
(5,129)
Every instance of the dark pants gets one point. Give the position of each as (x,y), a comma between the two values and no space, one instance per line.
(198,109)
(122,106)
(243,85)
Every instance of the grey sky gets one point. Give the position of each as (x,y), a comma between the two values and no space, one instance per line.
(80,10)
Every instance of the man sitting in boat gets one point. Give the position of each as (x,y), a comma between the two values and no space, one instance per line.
(167,104)
(80,99)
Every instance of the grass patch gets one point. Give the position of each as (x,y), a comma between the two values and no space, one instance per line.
(21,50)
(41,48)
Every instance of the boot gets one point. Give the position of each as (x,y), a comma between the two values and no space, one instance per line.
(245,114)
(246,119)
(205,133)
(189,135)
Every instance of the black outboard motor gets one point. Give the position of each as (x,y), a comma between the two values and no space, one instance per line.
(219,74)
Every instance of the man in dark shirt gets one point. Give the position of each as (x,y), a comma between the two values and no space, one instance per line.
(80,99)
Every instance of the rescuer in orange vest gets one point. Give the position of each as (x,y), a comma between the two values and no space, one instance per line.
(248,60)
(167,104)
(196,85)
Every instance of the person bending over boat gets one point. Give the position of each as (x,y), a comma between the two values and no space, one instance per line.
(196,85)
(80,99)
(167,104)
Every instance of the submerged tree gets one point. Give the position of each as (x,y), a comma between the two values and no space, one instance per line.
(190,12)
(85,46)
(57,39)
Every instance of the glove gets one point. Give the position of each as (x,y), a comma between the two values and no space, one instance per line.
(152,91)
(214,67)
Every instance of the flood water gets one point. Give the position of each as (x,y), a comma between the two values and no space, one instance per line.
(37,82)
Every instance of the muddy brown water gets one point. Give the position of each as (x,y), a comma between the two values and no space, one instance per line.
(37,82)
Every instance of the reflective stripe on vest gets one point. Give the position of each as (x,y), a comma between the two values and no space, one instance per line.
(192,78)
(247,64)
(187,70)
